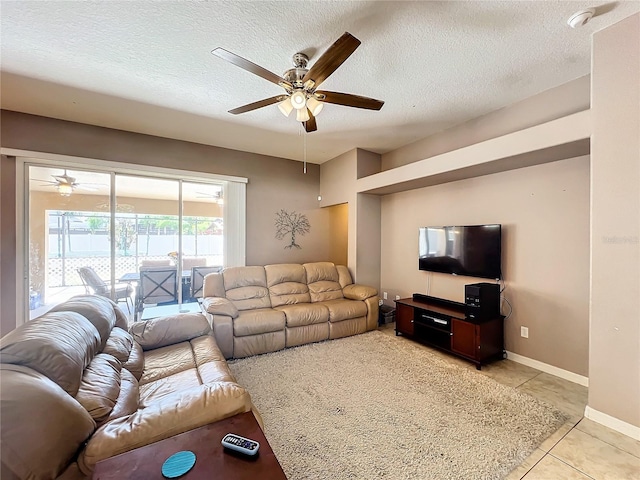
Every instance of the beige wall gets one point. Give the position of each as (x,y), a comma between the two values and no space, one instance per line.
(339,231)
(614,358)
(274,183)
(525,201)
(544,212)
(338,179)
(549,105)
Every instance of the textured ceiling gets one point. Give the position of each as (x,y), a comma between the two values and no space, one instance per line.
(146,66)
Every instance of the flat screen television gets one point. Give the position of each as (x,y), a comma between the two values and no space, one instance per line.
(473,250)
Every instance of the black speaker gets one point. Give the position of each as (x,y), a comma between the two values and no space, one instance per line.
(482,301)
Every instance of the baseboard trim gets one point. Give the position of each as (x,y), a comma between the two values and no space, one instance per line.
(612,422)
(545,367)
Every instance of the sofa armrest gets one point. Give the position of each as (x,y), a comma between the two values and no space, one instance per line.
(173,415)
(220,306)
(359,292)
(223,333)
(163,331)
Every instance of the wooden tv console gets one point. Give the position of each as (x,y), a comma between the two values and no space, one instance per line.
(443,324)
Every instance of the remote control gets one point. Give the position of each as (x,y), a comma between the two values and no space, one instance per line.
(240,444)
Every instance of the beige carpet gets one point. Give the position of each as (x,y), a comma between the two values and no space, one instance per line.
(375,406)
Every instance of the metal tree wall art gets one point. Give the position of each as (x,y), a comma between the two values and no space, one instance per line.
(291,223)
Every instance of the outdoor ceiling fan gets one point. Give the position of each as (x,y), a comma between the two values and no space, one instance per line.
(300,83)
(66,184)
(216,196)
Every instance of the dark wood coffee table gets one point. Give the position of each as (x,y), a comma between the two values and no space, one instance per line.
(212,461)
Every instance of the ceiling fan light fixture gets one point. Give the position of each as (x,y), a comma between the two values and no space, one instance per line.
(286,106)
(64,189)
(315,106)
(302,115)
(298,100)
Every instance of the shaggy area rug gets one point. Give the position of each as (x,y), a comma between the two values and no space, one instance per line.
(375,406)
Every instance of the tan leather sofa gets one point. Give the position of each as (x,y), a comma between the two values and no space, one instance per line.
(77,387)
(255,310)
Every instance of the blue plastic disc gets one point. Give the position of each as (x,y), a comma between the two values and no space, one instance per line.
(178,464)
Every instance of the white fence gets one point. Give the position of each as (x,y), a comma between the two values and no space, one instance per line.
(64,272)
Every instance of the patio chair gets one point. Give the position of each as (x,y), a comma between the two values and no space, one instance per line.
(189,263)
(156,263)
(93,284)
(158,285)
(197,279)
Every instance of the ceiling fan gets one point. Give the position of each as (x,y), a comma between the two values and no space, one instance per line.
(300,83)
(216,196)
(66,184)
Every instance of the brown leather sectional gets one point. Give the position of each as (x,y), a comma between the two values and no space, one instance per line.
(255,310)
(77,387)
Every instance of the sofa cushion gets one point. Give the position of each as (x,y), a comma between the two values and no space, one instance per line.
(162,331)
(289,293)
(324,290)
(255,322)
(127,401)
(238,277)
(42,426)
(249,298)
(100,386)
(166,361)
(205,349)
(318,271)
(212,367)
(204,364)
(163,387)
(323,281)
(246,287)
(121,319)
(135,363)
(119,344)
(287,284)
(59,345)
(344,277)
(213,372)
(344,309)
(305,314)
(213,285)
(95,308)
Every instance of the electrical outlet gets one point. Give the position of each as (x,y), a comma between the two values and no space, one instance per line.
(524,332)
(384,295)
(397,297)
(380,302)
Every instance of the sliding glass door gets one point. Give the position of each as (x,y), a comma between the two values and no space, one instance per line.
(137,239)
(68,234)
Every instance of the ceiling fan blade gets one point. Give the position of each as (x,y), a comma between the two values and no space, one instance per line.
(44,181)
(310,125)
(349,100)
(258,104)
(330,60)
(86,187)
(64,179)
(249,66)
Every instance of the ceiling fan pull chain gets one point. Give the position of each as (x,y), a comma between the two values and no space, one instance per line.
(304,143)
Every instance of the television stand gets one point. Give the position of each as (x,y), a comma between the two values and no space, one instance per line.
(443,324)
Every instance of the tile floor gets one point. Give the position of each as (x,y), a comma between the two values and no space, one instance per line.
(581,449)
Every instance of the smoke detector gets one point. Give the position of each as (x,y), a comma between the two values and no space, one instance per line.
(578,19)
